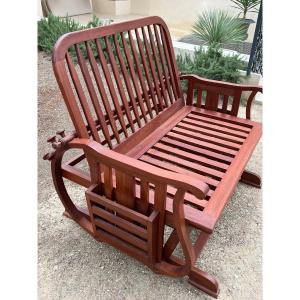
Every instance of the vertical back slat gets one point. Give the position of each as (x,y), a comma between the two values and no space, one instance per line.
(70,100)
(157,67)
(147,73)
(170,68)
(103,94)
(111,87)
(119,82)
(92,92)
(140,75)
(82,98)
(152,67)
(133,77)
(163,62)
(127,81)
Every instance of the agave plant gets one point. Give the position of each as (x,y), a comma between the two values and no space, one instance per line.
(217,27)
(246,6)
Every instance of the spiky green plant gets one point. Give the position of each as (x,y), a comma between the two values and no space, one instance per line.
(216,27)
(246,6)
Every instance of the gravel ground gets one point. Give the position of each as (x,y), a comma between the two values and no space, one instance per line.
(72,265)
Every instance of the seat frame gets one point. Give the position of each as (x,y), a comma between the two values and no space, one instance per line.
(129,200)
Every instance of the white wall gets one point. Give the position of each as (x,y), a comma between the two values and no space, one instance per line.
(104,7)
(39,9)
(180,14)
(112,7)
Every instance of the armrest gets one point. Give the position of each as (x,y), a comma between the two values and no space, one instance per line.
(216,83)
(215,88)
(138,168)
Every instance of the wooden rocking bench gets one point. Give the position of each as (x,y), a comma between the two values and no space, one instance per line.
(155,157)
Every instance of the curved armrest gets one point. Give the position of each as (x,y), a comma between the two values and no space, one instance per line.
(221,88)
(141,169)
(216,83)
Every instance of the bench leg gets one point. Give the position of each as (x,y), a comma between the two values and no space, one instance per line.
(204,282)
(198,278)
(73,212)
(251,179)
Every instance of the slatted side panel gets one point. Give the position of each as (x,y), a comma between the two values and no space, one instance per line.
(225,100)
(119,205)
(122,81)
(202,146)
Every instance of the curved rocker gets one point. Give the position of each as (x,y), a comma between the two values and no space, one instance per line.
(71,210)
(251,179)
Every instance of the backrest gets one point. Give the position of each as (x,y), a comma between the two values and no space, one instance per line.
(116,78)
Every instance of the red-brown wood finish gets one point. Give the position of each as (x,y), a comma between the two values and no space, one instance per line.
(155,158)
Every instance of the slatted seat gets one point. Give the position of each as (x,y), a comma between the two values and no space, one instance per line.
(202,144)
(156,156)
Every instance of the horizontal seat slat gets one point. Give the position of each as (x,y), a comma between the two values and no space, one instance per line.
(212,133)
(182,162)
(206,138)
(196,150)
(222,117)
(169,166)
(192,157)
(216,128)
(213,121)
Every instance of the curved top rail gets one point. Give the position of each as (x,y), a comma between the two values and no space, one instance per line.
(69,39)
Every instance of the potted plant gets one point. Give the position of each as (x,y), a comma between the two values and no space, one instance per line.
(246,6)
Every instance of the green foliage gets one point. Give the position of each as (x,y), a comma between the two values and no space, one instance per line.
(211,64)
(245,6)
(216,27)
(51,28)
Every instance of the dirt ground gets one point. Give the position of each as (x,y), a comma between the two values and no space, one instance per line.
(73,266)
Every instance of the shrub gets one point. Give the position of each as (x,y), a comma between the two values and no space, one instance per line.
(211,64)
(51,28)
(216,27)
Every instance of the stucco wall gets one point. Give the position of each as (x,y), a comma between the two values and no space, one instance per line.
(104,7)
(182,14)
(39,9)
(178,14)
